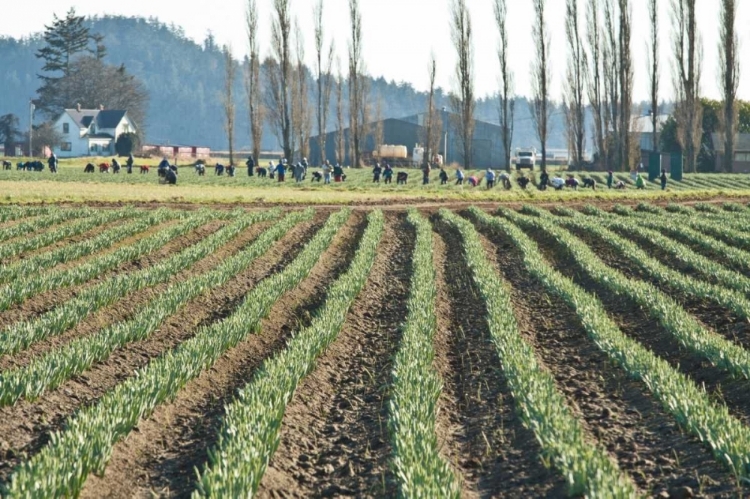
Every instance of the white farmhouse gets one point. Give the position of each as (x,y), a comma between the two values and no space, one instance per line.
(91,132)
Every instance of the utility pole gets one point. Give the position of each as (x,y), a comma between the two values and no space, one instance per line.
(32,107)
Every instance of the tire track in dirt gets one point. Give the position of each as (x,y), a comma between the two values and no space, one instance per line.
(160,456)
(688,452)
(334,436)
(721,385)
(129,305)
(26,426)
(43,302)
(614,408)
(482,435)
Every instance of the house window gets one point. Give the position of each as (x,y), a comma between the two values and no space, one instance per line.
(66,146)
(66,128)
(742,157)
(94,147)
(126,129)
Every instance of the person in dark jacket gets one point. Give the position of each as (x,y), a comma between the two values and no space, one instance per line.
(443,176)
(663,179)
(281,171)
(52,162)
(387,174)
(610,179)
(543,180)
(250,163)
(376,173)
(129,163)
(171,177)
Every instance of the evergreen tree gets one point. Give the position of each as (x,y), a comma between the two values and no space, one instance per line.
(64,39)
(9,132)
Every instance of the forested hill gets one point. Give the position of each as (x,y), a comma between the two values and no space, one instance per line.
(184,80)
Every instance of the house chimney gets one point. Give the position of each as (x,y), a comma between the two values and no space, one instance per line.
(78,107)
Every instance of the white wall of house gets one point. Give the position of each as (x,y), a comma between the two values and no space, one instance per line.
(77,143)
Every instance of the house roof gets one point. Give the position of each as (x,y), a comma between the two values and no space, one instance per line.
(741,142)
(108,118)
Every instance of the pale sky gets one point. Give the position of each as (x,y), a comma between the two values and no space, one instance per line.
(399,35)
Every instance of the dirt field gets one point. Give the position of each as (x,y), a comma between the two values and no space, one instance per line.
(335,438)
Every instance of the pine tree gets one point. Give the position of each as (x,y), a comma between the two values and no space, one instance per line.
(64,39)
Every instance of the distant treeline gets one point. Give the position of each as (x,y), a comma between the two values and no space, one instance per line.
(184,80)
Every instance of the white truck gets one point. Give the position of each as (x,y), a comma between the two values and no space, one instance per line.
(525,158)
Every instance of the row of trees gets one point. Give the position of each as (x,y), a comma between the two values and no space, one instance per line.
(277,90)
(599,76)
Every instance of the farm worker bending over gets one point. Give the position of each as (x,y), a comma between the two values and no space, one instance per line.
(460,177)
(443,177)
(557,182)
(473,181)
(639,182)
(505,179)
(327,172)
(490,177)
(338,172)
(170,177)
(523,181)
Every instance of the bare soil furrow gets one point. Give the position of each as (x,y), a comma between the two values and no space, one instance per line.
(161,455)
(615,409)
(334,438)
(482,432)
(25,427)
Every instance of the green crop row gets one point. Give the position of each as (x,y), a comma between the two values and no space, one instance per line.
(30,284)
(673,317)
(59,365)
(588,469)
(32,242)
(44,261)
(23,334)
(693,409)
(11,213)
(250,432)
(676,229)
(60,469)
(724,227)
(419,468)
(682,254)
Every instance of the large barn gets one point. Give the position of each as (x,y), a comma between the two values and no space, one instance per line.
(410,131)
